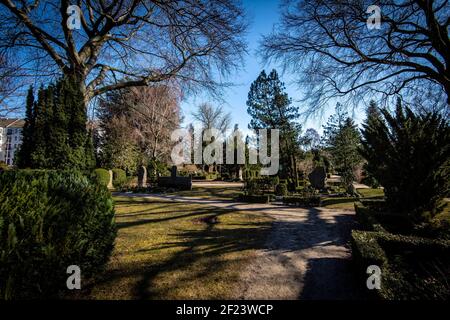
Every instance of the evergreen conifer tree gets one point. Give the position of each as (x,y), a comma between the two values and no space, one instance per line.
(38,155)
(271,108)
(23,157)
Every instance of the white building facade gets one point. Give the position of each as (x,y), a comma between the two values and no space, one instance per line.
(10,139)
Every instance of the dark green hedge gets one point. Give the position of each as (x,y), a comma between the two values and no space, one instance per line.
(281,189)
(366,218)
(412,267)
(254,198)
(50,220)
(313,201)
(119,178)
(374,216)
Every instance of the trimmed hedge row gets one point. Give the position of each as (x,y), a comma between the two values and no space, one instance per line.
(366,218)
(50,220)
(313,201)
(254,198)
(401,259)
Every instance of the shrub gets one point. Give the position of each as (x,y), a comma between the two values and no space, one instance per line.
(366,218)
(3,166)
(156,168)
(313,201)
(259,185)
(225,176)
(281,190)
(50,220)
(412,267)
(101,176)
(409,155)
(119,178)
(254,198)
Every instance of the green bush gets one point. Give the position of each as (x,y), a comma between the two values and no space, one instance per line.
(281,190)
(101,176)
(409,155)
(50,220)
(412,267)
(3,166)
(119,178)
(156,168)
(254,198)
(366,218)
(313,201)
(373,216)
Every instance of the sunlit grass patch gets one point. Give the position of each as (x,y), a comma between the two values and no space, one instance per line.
(371,193)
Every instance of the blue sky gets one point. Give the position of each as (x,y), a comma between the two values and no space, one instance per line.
(264,14)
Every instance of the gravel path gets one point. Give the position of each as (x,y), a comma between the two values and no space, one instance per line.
(307,254)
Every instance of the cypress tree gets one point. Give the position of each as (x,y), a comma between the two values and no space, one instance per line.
(58,147)
(23,157)
(38,155)
(89,151)
(55,135)
(78,136)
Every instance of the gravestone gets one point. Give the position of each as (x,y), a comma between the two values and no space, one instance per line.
(173,172)
(240,175)
(110,182)
(142,177)
(181,183)
(317,178)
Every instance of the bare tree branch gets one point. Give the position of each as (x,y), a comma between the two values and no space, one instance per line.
(127,43)
(330,47)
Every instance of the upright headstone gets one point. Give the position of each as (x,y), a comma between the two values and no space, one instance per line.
(317,178)
(173,172)
(110,182)
(240,175)
(142,177)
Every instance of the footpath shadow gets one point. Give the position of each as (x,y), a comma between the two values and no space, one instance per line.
(329,278)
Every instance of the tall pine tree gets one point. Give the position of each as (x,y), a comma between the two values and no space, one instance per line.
(342,140)
(271,108)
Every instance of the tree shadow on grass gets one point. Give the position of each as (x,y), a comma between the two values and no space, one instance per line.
(140,216)
(199,254)
(205,249)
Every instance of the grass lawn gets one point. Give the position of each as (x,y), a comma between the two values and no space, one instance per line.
(343,203)
(347,203)
(164,250)
(211,192)
(371,193)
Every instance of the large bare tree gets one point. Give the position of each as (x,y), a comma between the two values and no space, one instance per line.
(141,119)
(9,83)
(155,113)
(124,43)
(329,45)
(210,117)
